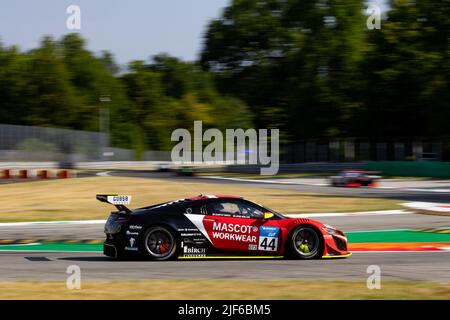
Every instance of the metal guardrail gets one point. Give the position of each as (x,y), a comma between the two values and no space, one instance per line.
(300,167)
(296,167)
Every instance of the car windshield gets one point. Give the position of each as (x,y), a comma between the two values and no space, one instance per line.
(270,210)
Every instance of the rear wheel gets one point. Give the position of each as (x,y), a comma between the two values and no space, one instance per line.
(160,243)
(305,242)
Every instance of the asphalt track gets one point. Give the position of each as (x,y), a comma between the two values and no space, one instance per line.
(41,266)
(355,222)
(426,194)
(394,266)
(409,266)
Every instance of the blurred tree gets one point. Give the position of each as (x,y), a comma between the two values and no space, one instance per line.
(91,78)
(50,99)
(145,92)
(60,84)
(197,93)
(167,94)
(310,68)
(293,62)
(407,71)
(107,59)
(13,83)
(313,69)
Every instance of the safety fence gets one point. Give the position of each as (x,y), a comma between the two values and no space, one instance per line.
(37,174)
(411,168)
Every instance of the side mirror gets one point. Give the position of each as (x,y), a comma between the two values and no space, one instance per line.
(268,215)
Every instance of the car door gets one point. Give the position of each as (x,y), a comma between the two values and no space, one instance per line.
(237,225)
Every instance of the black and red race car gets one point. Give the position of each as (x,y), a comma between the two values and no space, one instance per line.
(215,227)
(355,178)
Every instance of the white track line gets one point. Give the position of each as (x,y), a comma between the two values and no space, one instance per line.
(353,252)
(320,184)
(427,190)
(36,223)
(103,174)
(91,222)
(346,214)
(404,251)
(379,230)
(21,244)
(263,181)
(430,206)
(55,251)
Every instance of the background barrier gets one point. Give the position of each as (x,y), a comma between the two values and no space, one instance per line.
(36,174)
(411,168)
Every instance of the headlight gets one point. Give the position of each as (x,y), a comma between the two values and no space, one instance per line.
(330,230)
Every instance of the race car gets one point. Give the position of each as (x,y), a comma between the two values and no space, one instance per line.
(355,178)
(219,226)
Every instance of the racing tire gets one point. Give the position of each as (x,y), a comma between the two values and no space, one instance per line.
(160,243)
(304,242)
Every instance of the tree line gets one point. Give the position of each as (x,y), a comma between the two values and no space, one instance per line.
(314,69)
(310,68)
(61,84)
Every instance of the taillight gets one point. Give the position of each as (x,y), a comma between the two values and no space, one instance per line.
(115,222)
(122,219)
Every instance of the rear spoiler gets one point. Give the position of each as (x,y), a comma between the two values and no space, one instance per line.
(119,201)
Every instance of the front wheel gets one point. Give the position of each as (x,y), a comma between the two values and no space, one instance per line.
(160,243)
(304,242)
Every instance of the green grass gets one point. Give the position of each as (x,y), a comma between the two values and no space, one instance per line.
(224,289)
(391,236)
(74,199)
(397,236)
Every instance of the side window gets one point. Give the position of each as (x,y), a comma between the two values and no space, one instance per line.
(196,210)
(223,208)
(250,211)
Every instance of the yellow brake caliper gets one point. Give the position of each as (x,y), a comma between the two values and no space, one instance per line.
(304,248)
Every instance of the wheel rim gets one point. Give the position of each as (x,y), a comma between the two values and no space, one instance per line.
(159,243)
(306,242)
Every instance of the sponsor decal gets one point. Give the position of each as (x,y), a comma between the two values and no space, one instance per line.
(221,214)
(252,247)
(129,233)
(230,227)
(190,234)
(131,247)
(135,227)
(268,238)
(119,200)
(233,237)
(193,251)
(233,232)
(188,230)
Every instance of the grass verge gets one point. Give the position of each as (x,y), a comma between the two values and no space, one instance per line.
(223,289)
(74,199)
(280,175)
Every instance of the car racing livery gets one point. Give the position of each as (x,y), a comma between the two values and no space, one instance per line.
(355,178)
(215,227)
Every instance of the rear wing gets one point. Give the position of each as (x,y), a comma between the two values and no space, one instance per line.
(119,201)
